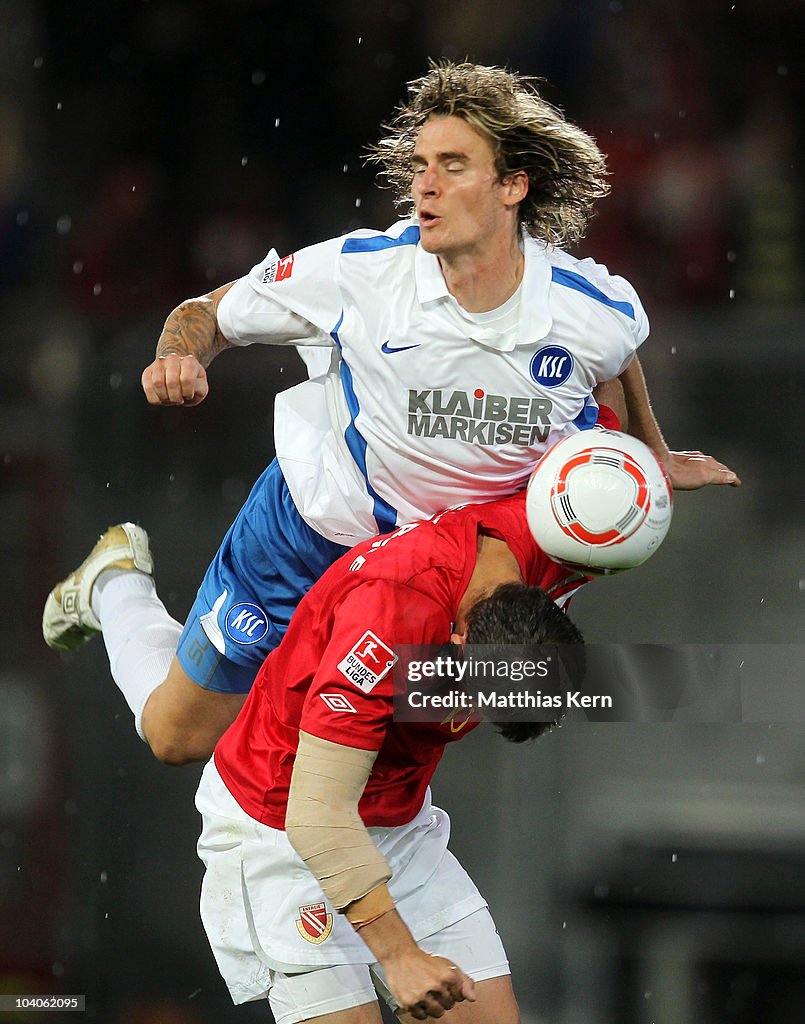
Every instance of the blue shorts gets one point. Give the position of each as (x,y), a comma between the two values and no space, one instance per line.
(265,565)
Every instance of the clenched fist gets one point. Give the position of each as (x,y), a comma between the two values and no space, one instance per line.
(175,380)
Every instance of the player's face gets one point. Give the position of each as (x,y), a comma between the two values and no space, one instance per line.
(462,205)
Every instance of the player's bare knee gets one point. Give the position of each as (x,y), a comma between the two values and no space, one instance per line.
(175,747)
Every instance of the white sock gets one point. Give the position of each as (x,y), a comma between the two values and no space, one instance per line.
(139,634)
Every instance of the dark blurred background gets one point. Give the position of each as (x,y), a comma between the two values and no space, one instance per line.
(153,149)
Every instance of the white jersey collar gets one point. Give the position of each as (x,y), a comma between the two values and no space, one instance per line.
(535,316)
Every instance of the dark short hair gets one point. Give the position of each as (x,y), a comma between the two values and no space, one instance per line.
(566,170)
(515,613)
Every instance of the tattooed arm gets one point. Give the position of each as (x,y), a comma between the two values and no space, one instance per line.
(190,340)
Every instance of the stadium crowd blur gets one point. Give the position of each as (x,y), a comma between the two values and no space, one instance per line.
(152,150)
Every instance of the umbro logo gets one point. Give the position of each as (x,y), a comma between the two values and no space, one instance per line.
(387,349)
(338,702)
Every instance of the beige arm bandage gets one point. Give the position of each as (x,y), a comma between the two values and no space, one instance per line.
(323,824)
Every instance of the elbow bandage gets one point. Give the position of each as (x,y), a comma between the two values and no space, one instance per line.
(323,824)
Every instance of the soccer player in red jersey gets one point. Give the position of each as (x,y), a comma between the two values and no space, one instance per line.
(327,865)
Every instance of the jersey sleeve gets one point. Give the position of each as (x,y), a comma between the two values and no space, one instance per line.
(616,320)
(350,700)
(294,300)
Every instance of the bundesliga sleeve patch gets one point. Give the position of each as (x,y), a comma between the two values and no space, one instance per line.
(280,270)
(367,662)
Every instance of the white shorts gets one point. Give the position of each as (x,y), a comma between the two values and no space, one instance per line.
(268,921)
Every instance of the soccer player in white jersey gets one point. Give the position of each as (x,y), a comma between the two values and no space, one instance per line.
(456,347)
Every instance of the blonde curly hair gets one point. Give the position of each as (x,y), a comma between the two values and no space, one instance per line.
(566,169)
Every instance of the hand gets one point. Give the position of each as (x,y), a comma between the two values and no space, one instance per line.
(175,380)
(690,470)
(427,985)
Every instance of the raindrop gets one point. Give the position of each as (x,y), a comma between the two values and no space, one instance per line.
(360,40)
(277,123)
(58,970)
(762,600)
(258,77)
(656,135)
(674,858)
(564,924)
(346,168)
(673,350)
(357,203)
(732,293)
(682,115)
(801,585)
(760,759)
(64,224)
(59,105)
(243,161)
(22,218)
(78,266)
(115,380)
(38,62)
(647,995)
(70,807)
(732,256)
(97,289)
(782,70)
(601,891)
(104,878)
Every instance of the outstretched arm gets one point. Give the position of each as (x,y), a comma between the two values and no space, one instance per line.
(190,340)
(686,470)
(325,829)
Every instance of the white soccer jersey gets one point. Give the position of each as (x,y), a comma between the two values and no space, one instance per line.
(422,408)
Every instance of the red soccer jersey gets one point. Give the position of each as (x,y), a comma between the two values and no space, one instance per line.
(330,675)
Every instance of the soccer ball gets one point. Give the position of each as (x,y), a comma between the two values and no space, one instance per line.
(599,501)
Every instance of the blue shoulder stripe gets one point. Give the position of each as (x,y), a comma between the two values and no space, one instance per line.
(409,237)
(581,284)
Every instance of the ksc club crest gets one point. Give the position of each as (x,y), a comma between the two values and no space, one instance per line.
(246,623)
(314,924)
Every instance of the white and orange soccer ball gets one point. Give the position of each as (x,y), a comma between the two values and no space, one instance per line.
(599,501)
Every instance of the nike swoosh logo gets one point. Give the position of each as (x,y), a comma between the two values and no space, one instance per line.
(388,350)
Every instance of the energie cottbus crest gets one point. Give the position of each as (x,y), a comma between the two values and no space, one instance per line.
(314,923)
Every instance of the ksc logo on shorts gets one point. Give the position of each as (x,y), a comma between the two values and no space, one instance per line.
(551,366)
(246,623)
(367,662)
